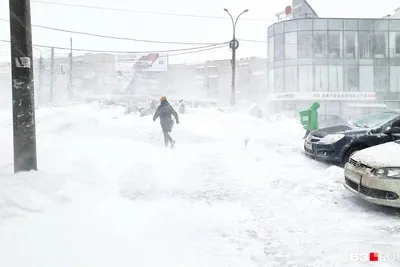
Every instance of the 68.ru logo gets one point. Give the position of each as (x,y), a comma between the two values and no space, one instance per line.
(372,256)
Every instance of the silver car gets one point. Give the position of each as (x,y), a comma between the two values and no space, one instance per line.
(374,174)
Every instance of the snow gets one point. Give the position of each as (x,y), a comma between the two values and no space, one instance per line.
(109,194)
(381,156)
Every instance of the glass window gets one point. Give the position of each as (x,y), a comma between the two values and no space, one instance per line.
(394,44)
(366,25)
(335,44)
(291,79)
(305,44)
(351,78)
(291,26)
(394,25)
(291,45)
(376,120)
(365,42)
(306,78)
(394,79)
(305,25)
(381,25)
(335,78)
(271,51)
(270,30)
(350,44)
(351,25)
(271,77)
(366,79)
(335,24)
(320,43)
(320,24)
(279,47)
(278,28)
(380,45)
(321,78)
(381,78)
(279,80)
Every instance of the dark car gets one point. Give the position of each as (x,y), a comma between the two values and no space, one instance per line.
(326,120)
(336,144)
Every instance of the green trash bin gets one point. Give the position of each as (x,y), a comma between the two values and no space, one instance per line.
(309,117)
(305,119)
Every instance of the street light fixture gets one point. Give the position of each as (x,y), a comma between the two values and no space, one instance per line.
(234,44)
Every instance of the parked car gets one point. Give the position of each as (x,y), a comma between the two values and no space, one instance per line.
(374,174)
(326,120)
(336,144)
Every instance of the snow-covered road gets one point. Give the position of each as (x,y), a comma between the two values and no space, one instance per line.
(109,194)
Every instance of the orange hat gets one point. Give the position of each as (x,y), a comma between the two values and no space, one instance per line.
(163,98)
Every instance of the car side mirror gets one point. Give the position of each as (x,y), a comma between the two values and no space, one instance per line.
(392,130)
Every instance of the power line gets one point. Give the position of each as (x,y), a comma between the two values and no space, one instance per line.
(114,37)
(124,52)
(169,55)
(144,12)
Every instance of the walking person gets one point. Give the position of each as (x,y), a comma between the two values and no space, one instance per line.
(165,112)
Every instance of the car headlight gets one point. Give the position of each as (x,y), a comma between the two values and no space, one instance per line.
(331,138)
(388,173)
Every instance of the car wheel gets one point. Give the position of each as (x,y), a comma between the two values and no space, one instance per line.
(349,153)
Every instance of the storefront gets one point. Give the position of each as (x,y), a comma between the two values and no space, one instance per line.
(344,104)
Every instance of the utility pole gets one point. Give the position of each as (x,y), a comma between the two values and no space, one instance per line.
(234,44)
(70,85)
(24,128)
(51,75)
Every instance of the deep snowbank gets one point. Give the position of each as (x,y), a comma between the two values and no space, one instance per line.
(109,194)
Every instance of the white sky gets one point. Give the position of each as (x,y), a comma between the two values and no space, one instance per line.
(171,28)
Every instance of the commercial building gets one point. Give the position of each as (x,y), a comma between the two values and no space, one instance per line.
(339,62)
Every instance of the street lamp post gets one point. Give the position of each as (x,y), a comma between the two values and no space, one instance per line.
(234,44)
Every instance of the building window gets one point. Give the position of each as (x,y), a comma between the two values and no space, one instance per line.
(291,79)
(320,24)
(394,25)
(381,78)
(335,44)
(305,44)
(306,78)
(320,43)
(291,45)
(321,79)
(271,77)
(394,44)
(365,42)
(351,78)
(351,25)
(350,44)
(335,24)
(305,25)
(271,46)
(380,45)
(366,25)
(279,80)
(290,25)
(279,47)
(366,79)
(395,79)
(335,78)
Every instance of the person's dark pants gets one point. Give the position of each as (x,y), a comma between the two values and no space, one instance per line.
(167,139)
(167,128)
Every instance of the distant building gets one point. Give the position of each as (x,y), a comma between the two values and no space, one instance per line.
(331,59)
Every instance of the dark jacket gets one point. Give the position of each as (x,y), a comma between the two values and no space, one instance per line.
(165,111)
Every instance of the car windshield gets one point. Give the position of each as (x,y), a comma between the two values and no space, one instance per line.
(375,120)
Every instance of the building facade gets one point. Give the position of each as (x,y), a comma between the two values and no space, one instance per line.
(333,59)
